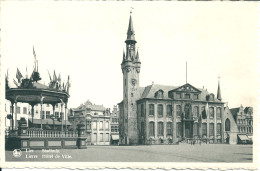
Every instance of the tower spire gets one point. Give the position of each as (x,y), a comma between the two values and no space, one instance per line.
(130,31)
(219,93)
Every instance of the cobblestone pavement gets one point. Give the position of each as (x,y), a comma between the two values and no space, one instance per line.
(143,153)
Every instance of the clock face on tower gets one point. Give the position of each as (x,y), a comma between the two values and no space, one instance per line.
(133,81)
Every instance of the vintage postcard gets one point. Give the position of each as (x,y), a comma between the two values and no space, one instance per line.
(129,84)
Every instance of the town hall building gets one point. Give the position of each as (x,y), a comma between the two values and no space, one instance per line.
(159,114)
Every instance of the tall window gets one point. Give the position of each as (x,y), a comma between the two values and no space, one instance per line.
(88,125)
(203,112)
(160,128)
(107,137)
(196,111)
(142,128)
(116,129)
(107,125)
(204,129)
(112,128)
(101,125)
(151,128)
(169,110)
(142,109)
(56,115)
(160,110)
(101,137)
(24,110)
(48,114)
(227,125)
(195,129)
(179,129)
(178,110)
(169,128)
(218,113)
(11,111)
(94,125)
(211,129)
(195,96)
(18,110)
(151,109)
(211,112)
(95,137)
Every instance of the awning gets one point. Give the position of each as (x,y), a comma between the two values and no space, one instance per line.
(243,137)
(115,137)
(48,122)
(250,137)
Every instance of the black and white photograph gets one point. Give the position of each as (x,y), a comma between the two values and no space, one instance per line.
(129,84)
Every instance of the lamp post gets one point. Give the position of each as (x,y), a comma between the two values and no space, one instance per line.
(53,117)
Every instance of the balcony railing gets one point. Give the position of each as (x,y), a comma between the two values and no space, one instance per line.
(51,133)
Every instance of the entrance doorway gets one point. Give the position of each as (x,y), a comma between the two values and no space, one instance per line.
(188,130)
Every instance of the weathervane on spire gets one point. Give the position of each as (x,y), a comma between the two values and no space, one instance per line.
(131,10)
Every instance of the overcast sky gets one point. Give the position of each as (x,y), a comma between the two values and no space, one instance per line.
(86,40)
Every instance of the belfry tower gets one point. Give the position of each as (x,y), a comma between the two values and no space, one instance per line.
(130,68)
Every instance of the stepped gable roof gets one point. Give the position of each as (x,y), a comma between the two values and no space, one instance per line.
(234,112)
(247,109)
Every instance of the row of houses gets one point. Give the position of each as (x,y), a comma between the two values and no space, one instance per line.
(102,125)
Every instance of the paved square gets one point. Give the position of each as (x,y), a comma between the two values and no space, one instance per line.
(154,153)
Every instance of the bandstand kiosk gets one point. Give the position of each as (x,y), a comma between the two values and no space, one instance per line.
(27,136)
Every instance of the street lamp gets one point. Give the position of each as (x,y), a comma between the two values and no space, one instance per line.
(53,117)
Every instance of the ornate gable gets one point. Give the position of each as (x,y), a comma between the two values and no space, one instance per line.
(186,88)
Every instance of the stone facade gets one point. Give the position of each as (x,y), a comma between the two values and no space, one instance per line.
(168,115)
(230,130)
(159,114)
(115,126)
(243,117)
(97,120)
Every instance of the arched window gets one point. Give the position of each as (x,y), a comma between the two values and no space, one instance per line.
(187,111)
(160,129)
(178,110)
(218,113)
(142,128)
(169,110)
(196,111)
(160,110)
(169,128)
(151,109)
(211,112)
(151,128)
(227,125)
